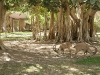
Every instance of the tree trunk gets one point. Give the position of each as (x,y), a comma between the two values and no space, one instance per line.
(68,24)
(51,35)
(2,18)
(8,26)
(33,28)
(60,25)
(86,25)
(91,24)
(2,14)
(45,27)
(37,25)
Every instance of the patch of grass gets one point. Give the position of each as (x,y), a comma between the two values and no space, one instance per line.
(16,35)
(32,69)
(89,61)
(98,36)
(21,33)
(56,67)
(15,38)
(16,69)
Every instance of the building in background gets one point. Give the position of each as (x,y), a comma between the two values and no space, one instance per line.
(17,21)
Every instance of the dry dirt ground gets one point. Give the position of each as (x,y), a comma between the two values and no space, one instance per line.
(35,58)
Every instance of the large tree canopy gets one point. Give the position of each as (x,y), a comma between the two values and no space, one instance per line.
(74,18)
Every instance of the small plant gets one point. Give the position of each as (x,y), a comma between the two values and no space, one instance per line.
(89,61)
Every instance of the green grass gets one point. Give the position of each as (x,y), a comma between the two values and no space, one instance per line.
(19,35)
(59,67)
(16,69)
(99,36)
(33,69)
(93,62)
(16,35)
(89,61)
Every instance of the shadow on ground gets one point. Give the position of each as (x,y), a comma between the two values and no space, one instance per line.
(30,58)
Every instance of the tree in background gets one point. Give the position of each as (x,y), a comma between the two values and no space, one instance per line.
(5,5)
(74,19)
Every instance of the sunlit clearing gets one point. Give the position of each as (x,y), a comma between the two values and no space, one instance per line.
(6,58)
(39,47)
(69,68)
(38,66)
(63,66)
(43,47)
(90,70)
(73,69)
(34,69)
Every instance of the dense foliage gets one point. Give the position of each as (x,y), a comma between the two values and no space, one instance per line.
(68,11)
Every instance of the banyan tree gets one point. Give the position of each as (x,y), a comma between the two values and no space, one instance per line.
(74,18)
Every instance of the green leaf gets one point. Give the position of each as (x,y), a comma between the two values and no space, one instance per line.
(98,3)
(92,1)
(74,1)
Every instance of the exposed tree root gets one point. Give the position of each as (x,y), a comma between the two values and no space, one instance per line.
(2,46)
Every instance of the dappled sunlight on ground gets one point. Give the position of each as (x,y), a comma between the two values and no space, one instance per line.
(30,58)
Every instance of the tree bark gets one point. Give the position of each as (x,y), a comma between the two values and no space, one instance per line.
(2,18)
(51,35)
(91,22)
(91,25)
(33,28)
(37,25)
(86,25)
(60,25)
(2,14)
(45,27)
(68,24)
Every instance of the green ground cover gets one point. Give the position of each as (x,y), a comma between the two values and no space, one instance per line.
(16,35)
